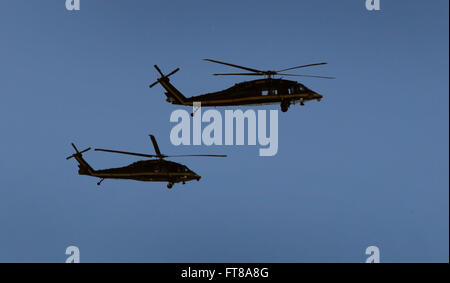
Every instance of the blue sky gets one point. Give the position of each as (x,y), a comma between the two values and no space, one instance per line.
(368,165)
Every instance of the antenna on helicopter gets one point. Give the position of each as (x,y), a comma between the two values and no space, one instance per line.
(269,73)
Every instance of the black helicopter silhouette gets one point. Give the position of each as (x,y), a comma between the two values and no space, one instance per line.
(257,92)
(155,170)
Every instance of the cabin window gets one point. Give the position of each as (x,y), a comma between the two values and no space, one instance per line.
(265,92)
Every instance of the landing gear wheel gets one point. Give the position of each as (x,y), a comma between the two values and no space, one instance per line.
(169,185)
(284,106)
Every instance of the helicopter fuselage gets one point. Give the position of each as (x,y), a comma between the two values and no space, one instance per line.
(256,92)
(148,170)
(153,170)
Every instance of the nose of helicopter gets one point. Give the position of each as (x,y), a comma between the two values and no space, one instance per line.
(318,96)
(195,176)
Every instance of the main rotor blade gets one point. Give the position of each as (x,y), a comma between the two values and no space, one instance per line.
(197,155)
(155,145)
(126,152)
(239,74)
(303,66)
(233,65)
(307,76)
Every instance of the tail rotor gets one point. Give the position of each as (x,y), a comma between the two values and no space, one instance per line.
(77,152)
(162,75)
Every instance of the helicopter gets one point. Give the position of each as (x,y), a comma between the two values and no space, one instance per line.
(153,170)
(268,90)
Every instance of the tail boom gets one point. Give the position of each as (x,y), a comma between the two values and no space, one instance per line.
(83,167)
(174,96)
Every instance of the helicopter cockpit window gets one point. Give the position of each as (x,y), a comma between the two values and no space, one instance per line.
(182,169)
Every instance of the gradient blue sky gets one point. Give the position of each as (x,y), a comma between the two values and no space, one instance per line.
(366,166)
